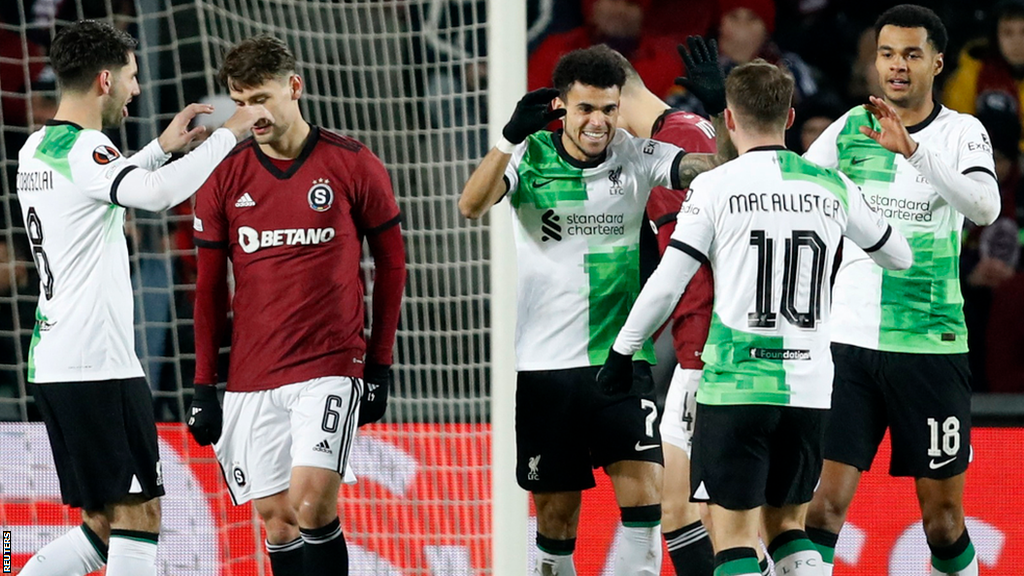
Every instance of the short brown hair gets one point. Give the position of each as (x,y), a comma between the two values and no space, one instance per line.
(760,94)
(253,61)
(84,49)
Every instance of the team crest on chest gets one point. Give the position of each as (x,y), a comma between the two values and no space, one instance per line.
(321,195)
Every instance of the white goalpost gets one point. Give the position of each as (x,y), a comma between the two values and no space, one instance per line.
(506,49)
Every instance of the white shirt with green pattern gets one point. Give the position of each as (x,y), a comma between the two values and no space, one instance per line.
(73,187)
(919,310)
(577,230)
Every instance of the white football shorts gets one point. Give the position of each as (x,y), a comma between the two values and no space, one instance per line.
(267,432)
(680,409)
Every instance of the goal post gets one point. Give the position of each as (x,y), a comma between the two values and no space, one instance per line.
(506,51)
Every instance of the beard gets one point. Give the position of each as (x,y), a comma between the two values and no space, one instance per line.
(112,115)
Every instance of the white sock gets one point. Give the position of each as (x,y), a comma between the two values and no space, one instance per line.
(73,554)
(640,551)
(132,553)
(795,555)
(554,557)
(826,569)
(554,564)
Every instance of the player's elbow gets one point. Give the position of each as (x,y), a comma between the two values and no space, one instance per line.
(470,208)
(987,213)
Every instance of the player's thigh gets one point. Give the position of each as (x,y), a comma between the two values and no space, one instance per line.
(254,449)
(625,426)
(731,452)
(680,410)
(103,435)
(324,416)
(857,421)
(796,457)
(929,414)
(551,453)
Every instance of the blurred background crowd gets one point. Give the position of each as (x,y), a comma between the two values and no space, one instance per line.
(828,46)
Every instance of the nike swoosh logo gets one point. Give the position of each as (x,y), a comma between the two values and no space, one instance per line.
(856,161)
(935,466)
(640,447)
(539,184)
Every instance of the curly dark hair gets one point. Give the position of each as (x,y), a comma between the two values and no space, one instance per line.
(84,49)
(914,16)
(596,66)
(255,60)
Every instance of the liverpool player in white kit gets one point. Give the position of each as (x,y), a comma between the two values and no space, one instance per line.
(290,208)
(74,186)
(578,197)
(900,342)
(769,223)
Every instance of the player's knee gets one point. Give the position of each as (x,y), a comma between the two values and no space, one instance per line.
(827,512)
(99,523)
(314,511)
(677,511)
(281,523)
(943,522)
(557,521)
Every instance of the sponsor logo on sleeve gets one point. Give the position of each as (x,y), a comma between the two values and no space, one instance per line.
(104,155)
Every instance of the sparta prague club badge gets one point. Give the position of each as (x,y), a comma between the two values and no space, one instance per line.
(104,155)
(321,195)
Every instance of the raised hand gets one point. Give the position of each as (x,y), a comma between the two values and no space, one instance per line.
(704,77)
(177,137)
(894,136)
(533,112)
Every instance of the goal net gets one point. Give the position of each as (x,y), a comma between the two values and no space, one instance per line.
(408,79)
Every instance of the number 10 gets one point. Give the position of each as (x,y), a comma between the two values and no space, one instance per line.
(763,315)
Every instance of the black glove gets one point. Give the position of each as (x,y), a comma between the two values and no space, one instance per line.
(376,386)
(532,113)
(205,416)
(616,376)
(704,78)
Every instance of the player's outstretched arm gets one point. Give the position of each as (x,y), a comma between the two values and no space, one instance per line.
(486,185)
(975,193)
(158,190)
(652,308)
(211,318)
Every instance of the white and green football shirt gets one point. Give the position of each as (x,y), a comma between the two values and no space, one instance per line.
(577,231)
(919,310)
(68,179)
(770,224)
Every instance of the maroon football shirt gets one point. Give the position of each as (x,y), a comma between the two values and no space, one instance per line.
(294,233)
(692,316)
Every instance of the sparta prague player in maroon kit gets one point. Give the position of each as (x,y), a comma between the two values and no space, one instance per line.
(647,116)
(290,208)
